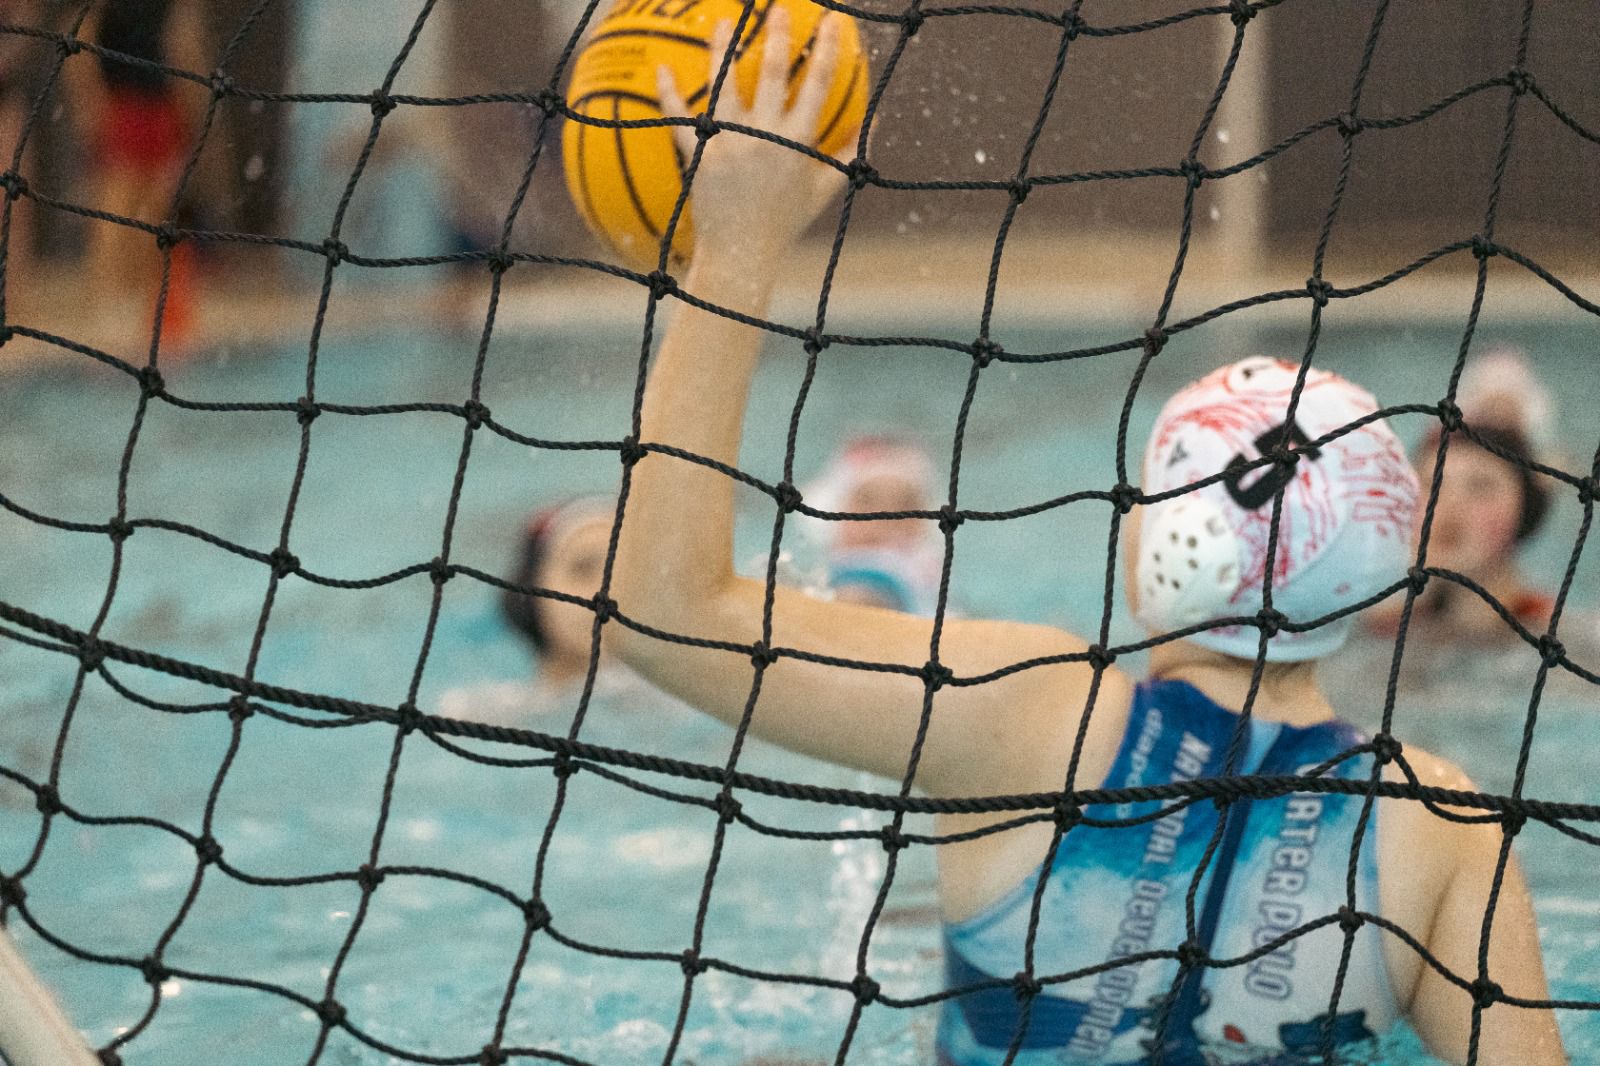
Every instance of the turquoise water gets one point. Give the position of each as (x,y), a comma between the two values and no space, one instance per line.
(430,967)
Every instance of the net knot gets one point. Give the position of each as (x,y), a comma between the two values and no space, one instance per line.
(222,83)
(891,838)
(154,972)
(1551,650)
(1191,954)
(1124,496)
(1071,24)
(787,495)
(1241,11)
(536,914)
(283,562)
(119,528)
(762,656)
(631,451)
(475,413)
(91,654)
(1520,80)
(6,333)
(69,46)
(15,185)
(1192,172)
(1067,814)
(1417,579)
(369,877)
(563,766)
(1019,190)
(1155,339)
(306,410)
(408,718)
(1483,247)
(500,262)
(865,988)
(692,964)
(167,235)
(936,675)
(48,800)
(1348,124)
(1350,920)
(12,894)
(151,382)
(109,1057)
(860,173)
(705,127)
(548,100)
(984,350)
(1025,986)
(440,571)
(949,519)
(1449,415)
(239,709)
(728,808)
(1319,291)
(813,341)
(208,849)
(492,1056)
(1589,490)
(1100,656)
(380,102)
(1485,993)
(335,250)
(910,23)
(661,284)
(1386,748)
(1512,822)
(604,607)
(332,1013)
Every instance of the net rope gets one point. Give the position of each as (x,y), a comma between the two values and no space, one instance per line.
(566,755)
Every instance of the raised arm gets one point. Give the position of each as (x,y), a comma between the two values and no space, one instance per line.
(33,1030)
(674,567)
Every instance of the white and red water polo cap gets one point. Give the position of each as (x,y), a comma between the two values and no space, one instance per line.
(1348,506)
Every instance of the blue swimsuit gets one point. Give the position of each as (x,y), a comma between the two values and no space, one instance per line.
(1115,892)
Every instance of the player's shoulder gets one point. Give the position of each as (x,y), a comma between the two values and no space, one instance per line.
(1433,832)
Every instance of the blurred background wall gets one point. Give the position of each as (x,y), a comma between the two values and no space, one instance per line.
(961,106)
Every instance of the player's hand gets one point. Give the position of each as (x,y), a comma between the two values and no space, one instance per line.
(753,198)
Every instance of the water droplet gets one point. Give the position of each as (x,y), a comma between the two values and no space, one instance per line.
(914,217)
(171,987)
(927,112)
(1222,135)
(254,167)
(1216,214)
(981,156)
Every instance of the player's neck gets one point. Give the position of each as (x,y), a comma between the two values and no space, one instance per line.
(1288,692)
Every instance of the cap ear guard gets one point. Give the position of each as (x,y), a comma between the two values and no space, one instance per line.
(1188,565)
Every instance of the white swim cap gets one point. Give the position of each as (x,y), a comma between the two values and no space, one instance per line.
(1499,387)
(865,459)
(1345,530)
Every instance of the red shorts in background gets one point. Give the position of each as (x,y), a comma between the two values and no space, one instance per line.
(142,130)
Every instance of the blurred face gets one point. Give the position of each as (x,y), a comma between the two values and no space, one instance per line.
(1480,504)
(884,493)
(573,565)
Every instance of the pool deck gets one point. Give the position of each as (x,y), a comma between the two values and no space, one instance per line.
(887,287)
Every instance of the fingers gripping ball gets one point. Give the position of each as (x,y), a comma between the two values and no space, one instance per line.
(626,182)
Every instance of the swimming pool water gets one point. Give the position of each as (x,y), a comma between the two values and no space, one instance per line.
(429,969)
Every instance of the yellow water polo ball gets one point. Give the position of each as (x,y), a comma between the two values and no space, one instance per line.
(626,182)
